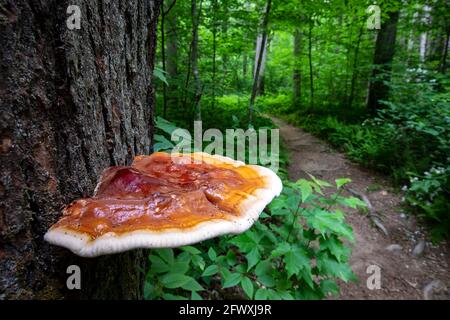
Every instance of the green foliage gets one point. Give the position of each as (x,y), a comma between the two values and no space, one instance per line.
(428,195)
(409,140)
(294,251)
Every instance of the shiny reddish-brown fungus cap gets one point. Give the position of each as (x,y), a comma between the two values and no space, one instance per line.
(165,200)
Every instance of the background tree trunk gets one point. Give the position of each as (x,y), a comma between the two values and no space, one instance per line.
(384,54)
(73,102)
(260,47)
(311,77)
(172,61)
(196,14)
(355,69)
(258,62)
(297,76)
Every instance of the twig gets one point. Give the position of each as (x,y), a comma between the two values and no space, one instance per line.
(373,216)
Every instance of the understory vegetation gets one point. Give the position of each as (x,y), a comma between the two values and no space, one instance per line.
(409,140)
(296,250)
(377,92)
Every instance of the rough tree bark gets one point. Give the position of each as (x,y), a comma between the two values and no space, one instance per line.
(384,54)
(72,103)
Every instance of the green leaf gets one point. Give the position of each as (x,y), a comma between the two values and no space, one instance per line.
(231,258)
(210,270)
(191,249)
(148,290)
(285,295)
(247,286)
(162,143)
(263,267)
(319,182)
(198,261)
(296,260)
(342,181)
(232,280)
(166,255)
(243,242)
(192,285)
(180,267)
(328,265)
(169,296)
(261,294)
(305,188)
(195,296)
(252,258)
(329,286)
(325,221)
(281,249)
(267,280)
(351,202)
(158,265)
(159,73)
(335,247)
(212,254)
(174,280)
(164,125)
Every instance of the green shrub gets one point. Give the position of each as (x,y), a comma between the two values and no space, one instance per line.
(294,251)
(408,138)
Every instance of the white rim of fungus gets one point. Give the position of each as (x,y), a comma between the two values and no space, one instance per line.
(110,243)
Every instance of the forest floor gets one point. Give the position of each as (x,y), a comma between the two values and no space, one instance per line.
(411,266)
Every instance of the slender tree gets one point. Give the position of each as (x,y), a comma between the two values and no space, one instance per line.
(311,78)
(351,96)
(196,14)
(296,76)
(259,62)
(164,13)
(214,32)
(172,60)
(383,56)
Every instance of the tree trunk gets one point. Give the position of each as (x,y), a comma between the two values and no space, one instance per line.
(384,54)
(259,62)
(73,103)
(214,31)
(311,78)
(164,13)
(260,50)
(244,66)
(296,76)
(443,60)
(194,58)
(172,61)
(355,69)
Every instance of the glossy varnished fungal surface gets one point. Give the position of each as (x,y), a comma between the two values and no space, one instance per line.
(162,192)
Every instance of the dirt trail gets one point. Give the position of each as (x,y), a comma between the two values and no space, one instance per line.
(403,274)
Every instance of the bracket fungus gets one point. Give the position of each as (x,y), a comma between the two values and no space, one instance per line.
(165,200)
